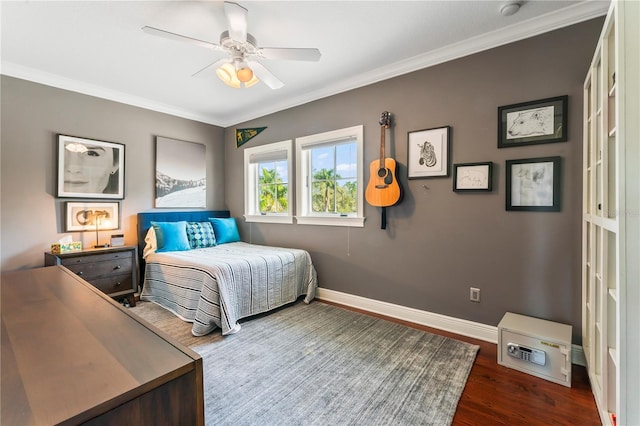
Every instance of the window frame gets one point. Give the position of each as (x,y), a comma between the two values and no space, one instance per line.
(303,178)
(251,207)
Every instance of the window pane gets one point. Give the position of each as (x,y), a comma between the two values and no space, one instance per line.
(273,198)
(322,197)
(273,187)
(282,171)
(346,196)
(322,158)
(347,160)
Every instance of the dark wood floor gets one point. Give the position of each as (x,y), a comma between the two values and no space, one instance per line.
(497,395)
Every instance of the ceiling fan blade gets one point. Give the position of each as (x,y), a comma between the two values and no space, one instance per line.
(265,75)
(237,21)
(178,37)
(213,65)
(292,54)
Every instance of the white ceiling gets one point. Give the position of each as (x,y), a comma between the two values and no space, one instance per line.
(98,48)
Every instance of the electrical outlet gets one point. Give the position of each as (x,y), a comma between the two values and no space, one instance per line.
(474,294)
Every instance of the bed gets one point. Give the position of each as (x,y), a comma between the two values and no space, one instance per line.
(216,286)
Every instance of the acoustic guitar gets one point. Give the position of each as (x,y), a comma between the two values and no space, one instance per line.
(383,189)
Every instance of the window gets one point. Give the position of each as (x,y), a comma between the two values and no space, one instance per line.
(329,178)
(267,171)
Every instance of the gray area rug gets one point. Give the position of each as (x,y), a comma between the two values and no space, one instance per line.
(322,365)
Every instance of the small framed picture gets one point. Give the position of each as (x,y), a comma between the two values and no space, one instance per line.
(89,168)
(471,177)
(533,184)
(428,153)
(89,216)
(535,122)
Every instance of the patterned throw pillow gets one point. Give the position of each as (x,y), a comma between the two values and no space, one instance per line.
(200,235)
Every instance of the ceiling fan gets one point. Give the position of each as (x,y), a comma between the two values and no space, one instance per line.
(242,49)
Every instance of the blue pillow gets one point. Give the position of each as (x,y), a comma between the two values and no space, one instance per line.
(171,236)
(226,230)
(200,234)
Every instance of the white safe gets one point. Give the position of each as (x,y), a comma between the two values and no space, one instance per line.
(535,346)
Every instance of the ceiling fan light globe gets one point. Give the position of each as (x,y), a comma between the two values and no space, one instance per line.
(227,74)
(245,74)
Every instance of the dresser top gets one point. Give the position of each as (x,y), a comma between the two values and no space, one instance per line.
(91,250)
(71,353)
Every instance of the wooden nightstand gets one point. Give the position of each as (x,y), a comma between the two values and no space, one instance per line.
(112,270)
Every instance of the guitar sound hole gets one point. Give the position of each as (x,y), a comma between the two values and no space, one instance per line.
(382,172)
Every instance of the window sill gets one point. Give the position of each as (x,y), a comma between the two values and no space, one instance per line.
(357,222)
(268,218)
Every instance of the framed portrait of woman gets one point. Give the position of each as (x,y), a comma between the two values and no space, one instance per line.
(90,168)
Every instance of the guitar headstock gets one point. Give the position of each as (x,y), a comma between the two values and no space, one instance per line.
(385,119)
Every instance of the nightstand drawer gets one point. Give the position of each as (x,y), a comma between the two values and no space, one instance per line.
(81,260)
(114,284)
(99,269)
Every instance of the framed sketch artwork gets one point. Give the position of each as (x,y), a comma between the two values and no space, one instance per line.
(90,168)
(533,184)
(428,153)
(472,177)
(89,216)
(535,122)
(181,174)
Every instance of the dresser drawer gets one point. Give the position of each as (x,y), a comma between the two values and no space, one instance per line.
(99,269)
(81,260)
(114,284)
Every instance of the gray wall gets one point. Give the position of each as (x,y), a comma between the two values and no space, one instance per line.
(439,243)
(32,115)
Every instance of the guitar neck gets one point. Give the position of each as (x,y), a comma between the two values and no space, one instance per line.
(382,132)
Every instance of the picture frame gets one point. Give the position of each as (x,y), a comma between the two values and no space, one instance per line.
(533,184)
(534,122)
(89,216)
(181,174)
(428,153)
(473,177)
(90,168)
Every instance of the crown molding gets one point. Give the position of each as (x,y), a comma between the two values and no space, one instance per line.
(48,79)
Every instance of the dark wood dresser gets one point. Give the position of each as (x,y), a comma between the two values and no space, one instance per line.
(113,270)
(71,355)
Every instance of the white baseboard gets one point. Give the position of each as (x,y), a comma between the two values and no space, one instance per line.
(577,355)
(463,327)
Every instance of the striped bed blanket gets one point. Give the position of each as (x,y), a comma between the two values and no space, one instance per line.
(217,286)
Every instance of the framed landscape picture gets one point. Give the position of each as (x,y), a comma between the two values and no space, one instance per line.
(181,174)
(535,122)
